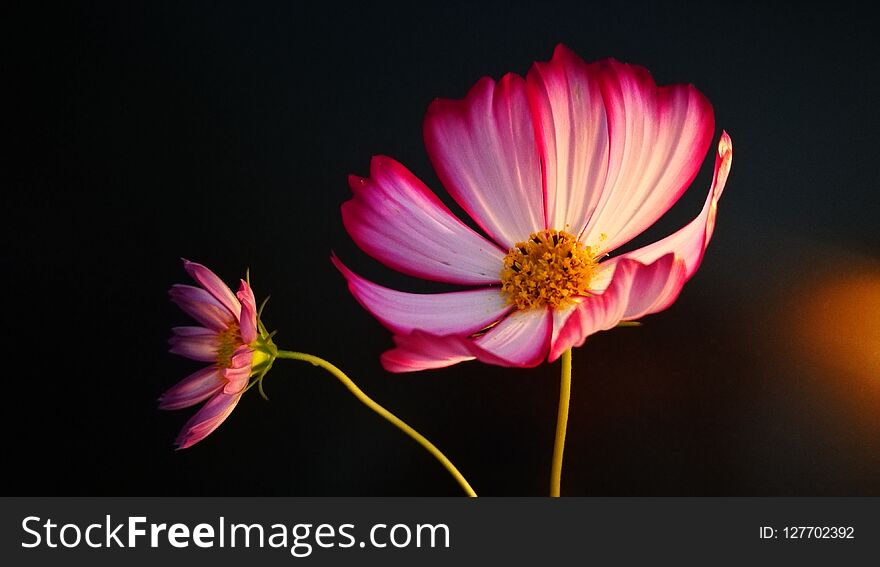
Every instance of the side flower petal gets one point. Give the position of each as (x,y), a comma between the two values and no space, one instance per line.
(214,285)
(636,289)
(394,218)
(238,374)
(201,346)
(195,388)
(248,320)
(658,138)
(207,419)
(201,306)
(483,148)
(690,242)
(460,312)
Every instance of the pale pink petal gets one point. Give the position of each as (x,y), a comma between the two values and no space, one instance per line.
(572,136)
(195,346)
(207,419)
(191,331)
(519,340)
(397,220)
(560,318)
(460,312)
(658,138)
(422,351)
(636,289)
(193,389)
(602,277)
(483,148)
(655,288)
(201,306)
(214,285)
(238,374)
(690,242)
(248,321)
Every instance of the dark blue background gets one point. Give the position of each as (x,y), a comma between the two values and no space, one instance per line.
(143,133)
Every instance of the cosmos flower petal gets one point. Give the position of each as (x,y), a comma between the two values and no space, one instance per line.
(238,374)
(655,289)
(248,319)
(483,148)
(193,389)
(461,312)
(207,419)
(658,137)
(560,318)
(192,331)
(197,347)
(397,220)
(419,350)
(521,339)
(602,277)
(214,285)
(636,289)
(423,351)
(572,137)
(201,306)
(690,242)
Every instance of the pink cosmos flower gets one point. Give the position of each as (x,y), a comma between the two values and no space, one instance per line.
(559,169)
(225,340)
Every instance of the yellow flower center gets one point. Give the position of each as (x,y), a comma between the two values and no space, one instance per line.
(550,268)
(228,340)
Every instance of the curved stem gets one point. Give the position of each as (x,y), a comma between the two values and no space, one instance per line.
(397,422)
(561,424)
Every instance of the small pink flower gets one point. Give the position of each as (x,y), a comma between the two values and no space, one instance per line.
(559,169)
(226,340)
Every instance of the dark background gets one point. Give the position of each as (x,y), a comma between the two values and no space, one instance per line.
(224,134)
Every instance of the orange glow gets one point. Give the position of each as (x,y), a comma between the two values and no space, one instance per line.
(839,328)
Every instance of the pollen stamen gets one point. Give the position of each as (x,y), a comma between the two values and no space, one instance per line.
(227,341)
(550,268)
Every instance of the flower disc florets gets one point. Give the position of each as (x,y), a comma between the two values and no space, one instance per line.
(228,340)
(549,269)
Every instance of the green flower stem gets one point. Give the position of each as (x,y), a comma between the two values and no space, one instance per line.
(397,422)
(561,424)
